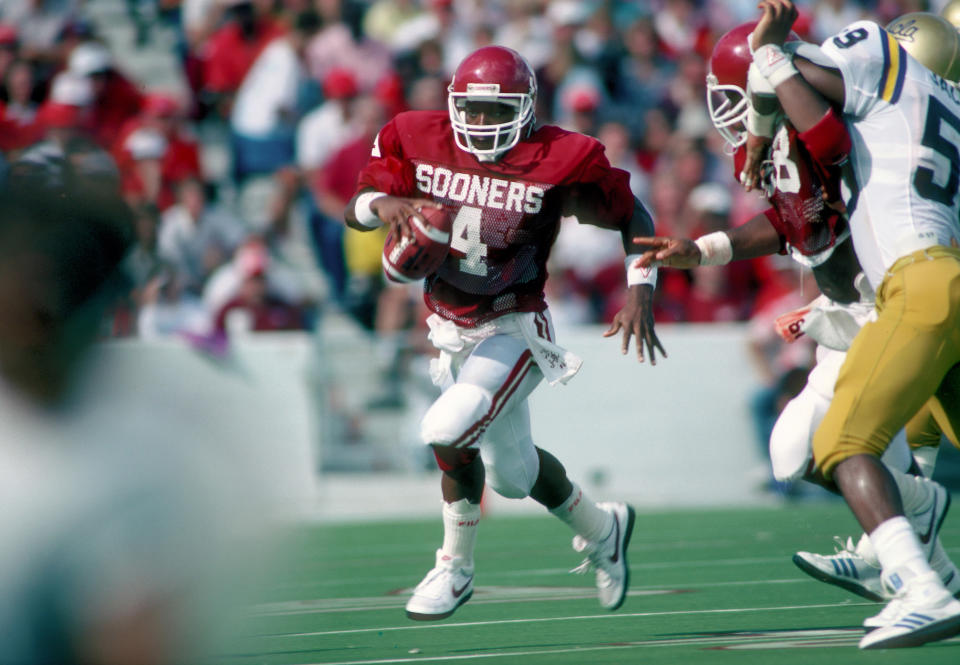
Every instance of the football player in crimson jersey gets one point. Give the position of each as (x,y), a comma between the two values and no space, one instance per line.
(801,179)
(901,196)
(507,183)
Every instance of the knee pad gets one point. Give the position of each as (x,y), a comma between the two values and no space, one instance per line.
(791,442)
(512,472)
(459,411)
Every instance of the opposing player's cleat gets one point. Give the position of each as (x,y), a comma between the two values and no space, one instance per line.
(609,556)
(847,569)
(445,588)
(927,522)
(922,611)
(948,572)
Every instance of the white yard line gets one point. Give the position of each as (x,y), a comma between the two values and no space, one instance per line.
(773,639)
(483,594)
(586,617)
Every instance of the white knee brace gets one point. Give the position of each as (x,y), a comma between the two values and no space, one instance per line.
(456,411)
(512,466)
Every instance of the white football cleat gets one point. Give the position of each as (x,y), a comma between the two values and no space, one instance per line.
(927,522)
(609,556)
(923,611)
(847,569)
(445,588)
(944,567)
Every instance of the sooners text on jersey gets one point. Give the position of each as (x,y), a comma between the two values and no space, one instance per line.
(506,213)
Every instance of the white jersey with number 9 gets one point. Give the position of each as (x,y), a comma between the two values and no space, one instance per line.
(904,121)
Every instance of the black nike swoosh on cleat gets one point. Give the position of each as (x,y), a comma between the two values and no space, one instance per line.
(457,592)
(616,549)
(925,537)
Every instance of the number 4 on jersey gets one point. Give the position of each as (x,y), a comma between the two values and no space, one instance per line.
(465,238)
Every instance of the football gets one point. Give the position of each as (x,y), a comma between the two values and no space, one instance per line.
(407,260)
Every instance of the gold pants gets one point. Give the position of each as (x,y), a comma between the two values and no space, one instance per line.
(899,363)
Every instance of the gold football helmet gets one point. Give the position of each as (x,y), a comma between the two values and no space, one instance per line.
(952,13)
(930,39)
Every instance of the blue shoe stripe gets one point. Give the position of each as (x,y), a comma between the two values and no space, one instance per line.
(853,570)
(836,567)
(914,620)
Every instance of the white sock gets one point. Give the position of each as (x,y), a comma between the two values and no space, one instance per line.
(926,459)
(897,547)
(460,521)
(584,516)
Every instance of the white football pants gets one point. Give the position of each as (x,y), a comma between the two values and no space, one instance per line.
(484,404)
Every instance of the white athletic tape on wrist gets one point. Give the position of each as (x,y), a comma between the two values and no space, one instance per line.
(759,124)
(638,275)
(715,249)
(775,65)
(365,215)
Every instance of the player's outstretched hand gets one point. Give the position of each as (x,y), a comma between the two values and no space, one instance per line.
(396,211)
(775,23)
(665,251)
(636,320)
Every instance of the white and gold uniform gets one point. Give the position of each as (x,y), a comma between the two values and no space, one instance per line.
(902,198)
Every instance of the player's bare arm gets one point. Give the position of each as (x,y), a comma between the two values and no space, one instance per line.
(392,210)
(635,319)
(806,98)
(756,237)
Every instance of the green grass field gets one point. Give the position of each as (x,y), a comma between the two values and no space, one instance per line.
(708,586)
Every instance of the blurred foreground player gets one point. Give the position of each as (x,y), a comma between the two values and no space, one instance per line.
(106,531)
(507,183)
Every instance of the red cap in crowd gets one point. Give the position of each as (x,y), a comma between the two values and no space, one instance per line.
(340,83)
(160,105)
(8,35)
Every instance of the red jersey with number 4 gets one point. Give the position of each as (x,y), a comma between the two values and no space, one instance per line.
(506,213)
(795,185)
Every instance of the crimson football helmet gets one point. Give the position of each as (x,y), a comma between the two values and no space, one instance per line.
(727,98)
(492,74)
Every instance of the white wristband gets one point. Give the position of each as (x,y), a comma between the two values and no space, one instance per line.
(363,212)
(775,65)
(715,249)
(636,274)
(759,124)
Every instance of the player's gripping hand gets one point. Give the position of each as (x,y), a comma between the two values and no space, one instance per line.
(755,153)
(665,251)
(775,23)
(396,211)
(636,320)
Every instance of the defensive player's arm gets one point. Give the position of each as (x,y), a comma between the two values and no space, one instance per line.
(807,91)
(757,237)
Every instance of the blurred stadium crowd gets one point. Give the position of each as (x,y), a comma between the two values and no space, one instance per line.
(291,93)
